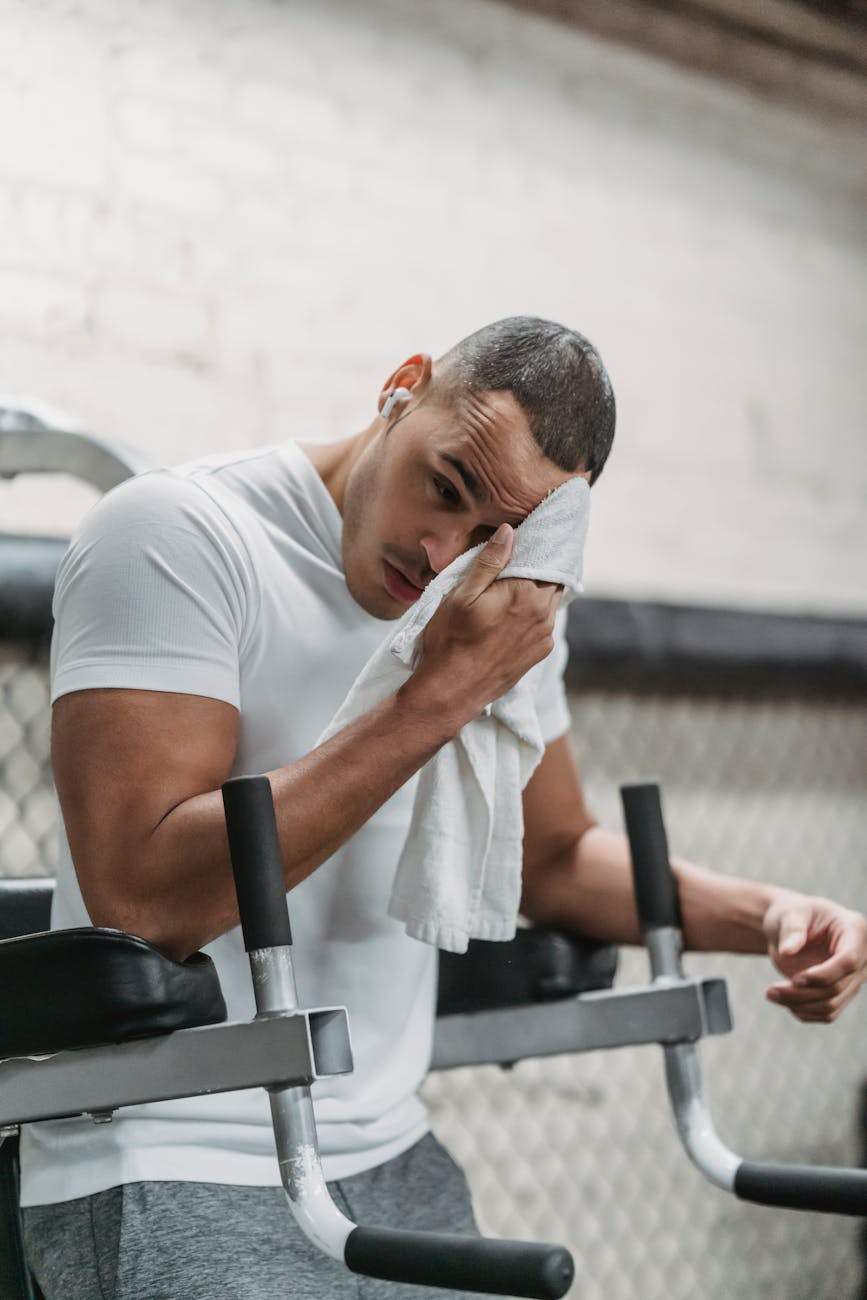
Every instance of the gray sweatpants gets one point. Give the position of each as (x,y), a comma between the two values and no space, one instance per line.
(202,1241)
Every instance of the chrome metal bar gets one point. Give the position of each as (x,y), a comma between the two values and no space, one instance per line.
(271,1052)
(37,440)
(664,1012)
(273,980)
(301,1171)
(665,948)
(292,1115)
(692,1117)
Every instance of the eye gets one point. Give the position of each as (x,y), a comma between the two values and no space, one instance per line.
(446,490)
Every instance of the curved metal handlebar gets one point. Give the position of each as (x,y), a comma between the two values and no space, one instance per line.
(513,1268)
(36,439)
(797,1187)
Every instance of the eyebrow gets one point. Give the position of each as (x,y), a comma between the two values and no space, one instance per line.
(471,483)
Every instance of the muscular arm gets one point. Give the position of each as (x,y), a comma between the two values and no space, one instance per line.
(578,876)
(138,773)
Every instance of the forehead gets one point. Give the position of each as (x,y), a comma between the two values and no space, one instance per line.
(489,436)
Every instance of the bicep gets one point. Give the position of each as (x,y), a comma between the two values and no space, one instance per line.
(122,760)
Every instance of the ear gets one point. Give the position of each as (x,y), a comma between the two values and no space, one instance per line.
(413,375)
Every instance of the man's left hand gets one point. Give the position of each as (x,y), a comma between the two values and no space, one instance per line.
(821,949)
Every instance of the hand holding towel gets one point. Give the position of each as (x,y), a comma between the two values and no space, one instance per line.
(459,875)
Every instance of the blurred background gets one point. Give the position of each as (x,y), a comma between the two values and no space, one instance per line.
(222,225)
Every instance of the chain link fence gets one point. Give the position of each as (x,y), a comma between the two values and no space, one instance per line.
(28,809)
(582,1149)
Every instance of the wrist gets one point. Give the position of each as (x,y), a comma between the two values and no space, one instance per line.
(437,704)
(724,913)
(433,708)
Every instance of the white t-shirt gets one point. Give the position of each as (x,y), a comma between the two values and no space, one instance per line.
(224,578)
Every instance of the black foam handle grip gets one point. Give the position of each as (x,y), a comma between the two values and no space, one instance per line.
(655,886)
(513,1268)
(803,1187)
(256,862)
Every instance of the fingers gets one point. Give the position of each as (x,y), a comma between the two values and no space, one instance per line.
(554,592)
(488,564)
(820,947)
(788,995)
(822,1009)
(793,930)
(841,966)
(820,993)
(549,595)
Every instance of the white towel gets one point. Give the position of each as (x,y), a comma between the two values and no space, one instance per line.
(459,875)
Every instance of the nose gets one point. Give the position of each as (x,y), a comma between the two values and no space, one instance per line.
(443,546)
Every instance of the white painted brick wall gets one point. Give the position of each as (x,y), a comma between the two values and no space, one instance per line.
(224,224)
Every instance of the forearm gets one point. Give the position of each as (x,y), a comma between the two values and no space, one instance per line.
(588,889)
(181,894)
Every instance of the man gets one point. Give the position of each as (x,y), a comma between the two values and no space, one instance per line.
(209,621)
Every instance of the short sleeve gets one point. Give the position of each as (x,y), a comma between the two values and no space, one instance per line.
(152,594)
(552,707)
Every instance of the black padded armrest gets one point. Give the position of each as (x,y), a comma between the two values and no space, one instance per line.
(538,965)
(89,986)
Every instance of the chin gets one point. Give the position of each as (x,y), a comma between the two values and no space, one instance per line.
(374,600)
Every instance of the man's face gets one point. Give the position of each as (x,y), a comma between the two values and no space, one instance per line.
(437,481)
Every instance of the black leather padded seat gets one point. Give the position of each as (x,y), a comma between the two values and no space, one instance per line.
(90,986)
(538,965)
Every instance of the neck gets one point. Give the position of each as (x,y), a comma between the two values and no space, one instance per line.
(334,461)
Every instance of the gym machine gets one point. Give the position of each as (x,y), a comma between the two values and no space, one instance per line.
(97,1020)
(100,1019)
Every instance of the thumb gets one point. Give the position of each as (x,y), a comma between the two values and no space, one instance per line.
(488,564)
(792,931)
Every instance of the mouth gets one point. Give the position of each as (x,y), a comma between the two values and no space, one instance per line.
(399,586)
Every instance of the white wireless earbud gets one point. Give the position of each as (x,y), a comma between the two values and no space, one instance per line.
(394,399)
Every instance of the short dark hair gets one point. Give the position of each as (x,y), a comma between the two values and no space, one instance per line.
(556,376)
